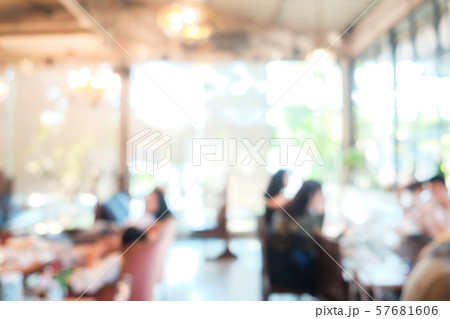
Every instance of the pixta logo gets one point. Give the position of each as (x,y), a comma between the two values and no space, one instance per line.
(148,152)
(290,151)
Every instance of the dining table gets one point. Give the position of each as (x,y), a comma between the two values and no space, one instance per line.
(35,257)
(374,268)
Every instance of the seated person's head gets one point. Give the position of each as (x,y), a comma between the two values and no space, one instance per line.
(277,183)
(410,195)
(309,199)
(156,204)
(132,235)
(416,188)
(438,189)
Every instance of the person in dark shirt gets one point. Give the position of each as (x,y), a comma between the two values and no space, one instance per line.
(273,195)
(156,204)
(292,252)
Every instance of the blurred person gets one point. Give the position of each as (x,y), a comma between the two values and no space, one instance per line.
(429,280)
(116,209)
(412,227)
(102,227)
(103,271)
(292,252)
(156,205)
(436,215)
(439,191)
(274,194)
(5,199)
(156,214)
(413,220)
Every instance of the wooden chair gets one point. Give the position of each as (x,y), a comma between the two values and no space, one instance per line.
(331,283)
(220,231)
(4,236)
(411,246)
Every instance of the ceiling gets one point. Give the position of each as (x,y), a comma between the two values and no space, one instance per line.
(250,29)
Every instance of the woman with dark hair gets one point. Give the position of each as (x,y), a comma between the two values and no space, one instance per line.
(156,212)
(156,205)
(273,195)
(291,250)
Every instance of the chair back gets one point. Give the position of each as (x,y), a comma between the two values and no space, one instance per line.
(141,263)
(331,283)
(145,262)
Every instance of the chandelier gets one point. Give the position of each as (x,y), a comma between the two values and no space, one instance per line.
(93,86)
(189,21)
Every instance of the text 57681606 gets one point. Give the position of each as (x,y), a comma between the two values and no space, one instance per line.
(407,310)
(385,310)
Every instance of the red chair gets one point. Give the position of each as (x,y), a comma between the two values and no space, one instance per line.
(145,262)
(141,263)
(142,268)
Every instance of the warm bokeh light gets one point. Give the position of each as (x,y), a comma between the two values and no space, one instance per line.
(189,21)
(188,15)
(94,85)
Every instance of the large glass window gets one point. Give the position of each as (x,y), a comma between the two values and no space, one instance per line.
(374,104)
(409,106)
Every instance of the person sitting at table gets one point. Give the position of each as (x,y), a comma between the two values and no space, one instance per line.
(429,280)
(6,206)
(430,216)
(412,227)
(92,277)
(437,221)
(412,222)
(291,250)
(274,197)
(434,213)
(116,209)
